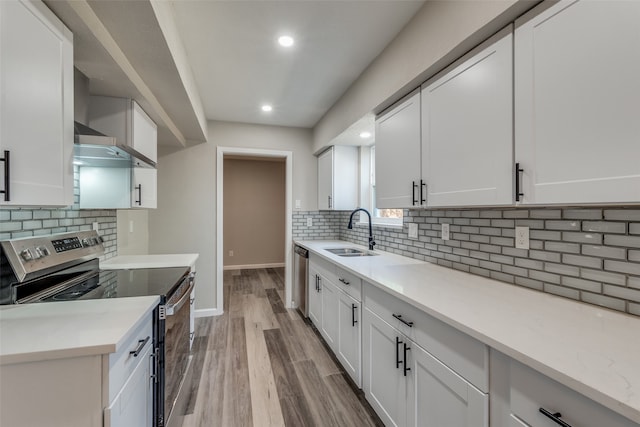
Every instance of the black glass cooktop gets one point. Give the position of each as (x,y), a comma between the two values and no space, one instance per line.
(125,283)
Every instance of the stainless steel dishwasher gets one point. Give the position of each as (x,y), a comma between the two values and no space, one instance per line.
(301,276)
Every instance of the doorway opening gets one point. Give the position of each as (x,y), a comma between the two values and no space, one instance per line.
(254,216)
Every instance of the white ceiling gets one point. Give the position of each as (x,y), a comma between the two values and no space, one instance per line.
(238,65)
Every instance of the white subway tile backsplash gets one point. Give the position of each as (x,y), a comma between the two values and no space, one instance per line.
(604,251)
(573,252)
(622,214)
(604,301)
(624,293)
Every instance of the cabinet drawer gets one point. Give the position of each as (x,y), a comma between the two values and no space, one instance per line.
(323,267)
(531,390)
(123,363)
(465,355)
(349,283)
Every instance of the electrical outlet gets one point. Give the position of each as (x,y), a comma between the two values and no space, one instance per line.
(230,253)
(95,226)
(445,231)
(413,230)
(522,237)
(309,222)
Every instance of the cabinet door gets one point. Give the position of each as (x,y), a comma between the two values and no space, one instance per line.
(398,155)
(325,180)
(467,125)
(329,321)
(576,97)
(349,336)
(144,133)
(383,381)
(144,192)
(36,107)
(437,396)
(133,405)
(315,298)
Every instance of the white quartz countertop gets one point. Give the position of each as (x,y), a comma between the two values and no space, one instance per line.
(150,261)
(591,350)
(56,330)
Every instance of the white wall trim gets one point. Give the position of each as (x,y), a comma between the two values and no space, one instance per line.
(254,266)
(288,248)
(207,312)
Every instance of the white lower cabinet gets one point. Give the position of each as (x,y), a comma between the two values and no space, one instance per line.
(329,321)
(349,336)
(531,393)
(334,308)
(407,386)
(133,405)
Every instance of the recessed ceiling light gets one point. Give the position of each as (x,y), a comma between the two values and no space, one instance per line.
(266,108)
(365,134)
(285,41)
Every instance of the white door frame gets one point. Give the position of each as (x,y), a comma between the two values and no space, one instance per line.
(288,254)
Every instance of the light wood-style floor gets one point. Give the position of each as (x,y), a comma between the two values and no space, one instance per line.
(261,364)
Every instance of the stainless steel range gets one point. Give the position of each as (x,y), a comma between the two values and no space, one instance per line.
(65,267)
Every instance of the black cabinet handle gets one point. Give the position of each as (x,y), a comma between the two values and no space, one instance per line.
(399,317)
(555,417)
(423,185)
(329,201)
(7,173)
(518,183)
(353,315)
(398,361)
(414,201)
(406,369)
(139,188)
(346,282)
(138,349)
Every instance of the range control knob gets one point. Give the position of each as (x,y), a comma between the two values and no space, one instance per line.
(87,242)
(26,254)
(43,251)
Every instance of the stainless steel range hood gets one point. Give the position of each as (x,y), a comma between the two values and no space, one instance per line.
(93,148)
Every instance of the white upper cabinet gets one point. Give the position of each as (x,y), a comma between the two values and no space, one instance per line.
(145,189)
(577,133)
(338,178)
(467,128)
(398,152)
(36,106)
(125,120)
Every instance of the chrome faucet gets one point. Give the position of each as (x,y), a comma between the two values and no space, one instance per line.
(350,226)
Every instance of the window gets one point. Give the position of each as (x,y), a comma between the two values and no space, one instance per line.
(391,217)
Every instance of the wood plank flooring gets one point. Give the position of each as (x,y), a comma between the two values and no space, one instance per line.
(260,364)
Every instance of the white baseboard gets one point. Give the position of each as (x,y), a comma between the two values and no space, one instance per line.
(207,312)
(253,266)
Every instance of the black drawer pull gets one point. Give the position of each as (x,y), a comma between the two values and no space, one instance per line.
(518,182)
(555,417)
(404,362)
(414,201)
(398,361)
(353,315)
(346,282)
(139,188)
(138,349)
(423,186)
(7,173)
(399,317)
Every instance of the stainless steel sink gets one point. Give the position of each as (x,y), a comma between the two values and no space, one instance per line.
(351,252)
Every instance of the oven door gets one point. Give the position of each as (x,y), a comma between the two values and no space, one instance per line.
(177,366)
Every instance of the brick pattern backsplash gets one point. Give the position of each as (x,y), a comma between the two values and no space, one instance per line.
(16,222)
(586,254)
(325,225)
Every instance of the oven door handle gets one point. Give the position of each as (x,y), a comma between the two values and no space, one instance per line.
(173,308)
